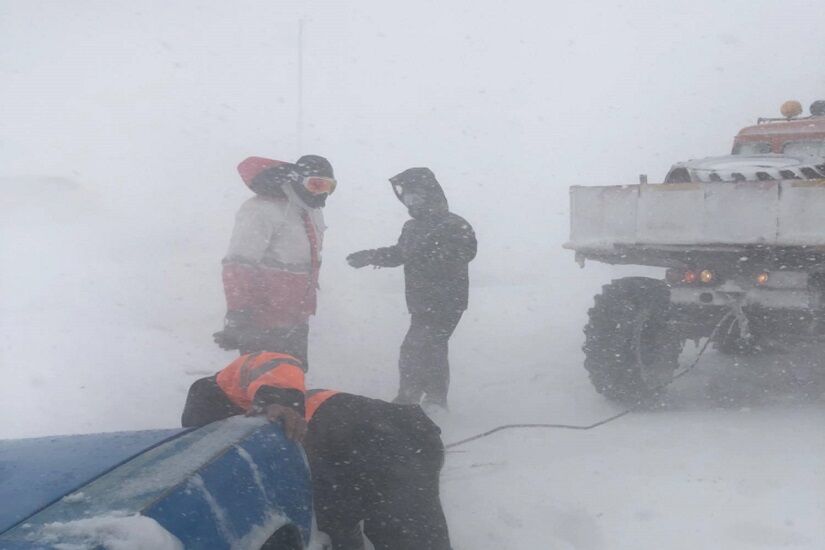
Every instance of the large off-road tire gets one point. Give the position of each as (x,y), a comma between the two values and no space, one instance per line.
(631,351)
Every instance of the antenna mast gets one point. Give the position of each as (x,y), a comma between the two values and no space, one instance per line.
(300,129)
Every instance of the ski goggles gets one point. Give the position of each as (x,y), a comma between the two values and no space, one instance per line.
(318,185)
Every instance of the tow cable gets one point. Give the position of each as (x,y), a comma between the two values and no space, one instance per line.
(735,313)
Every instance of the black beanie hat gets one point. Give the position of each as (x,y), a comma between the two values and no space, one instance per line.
(314,165)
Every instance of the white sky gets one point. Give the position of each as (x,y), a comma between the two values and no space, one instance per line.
(162,99)
(594,90)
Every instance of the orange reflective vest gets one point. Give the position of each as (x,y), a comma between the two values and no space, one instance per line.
(246,374)
(316,398)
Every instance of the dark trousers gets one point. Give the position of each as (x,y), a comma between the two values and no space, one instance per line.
(424,365)
(377,463)
(292,340)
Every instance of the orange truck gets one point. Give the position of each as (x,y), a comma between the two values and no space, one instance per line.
(742,241)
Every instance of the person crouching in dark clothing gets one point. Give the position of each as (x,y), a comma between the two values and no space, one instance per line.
(379,463)
(435,247)
(371,461)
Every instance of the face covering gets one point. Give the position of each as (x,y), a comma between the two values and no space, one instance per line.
(413,199)
(312,200)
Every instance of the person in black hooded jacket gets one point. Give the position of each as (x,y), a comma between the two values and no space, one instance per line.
(435,247)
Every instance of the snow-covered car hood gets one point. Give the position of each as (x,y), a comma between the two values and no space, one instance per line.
(36,472)
(230,484)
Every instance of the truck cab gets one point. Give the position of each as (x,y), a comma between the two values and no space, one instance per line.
(796,137)
(788,148)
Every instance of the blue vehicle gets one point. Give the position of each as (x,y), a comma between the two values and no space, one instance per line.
(234,484)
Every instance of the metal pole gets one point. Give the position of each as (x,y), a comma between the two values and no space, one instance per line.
(300,129)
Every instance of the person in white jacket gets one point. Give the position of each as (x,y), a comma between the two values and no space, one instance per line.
(270,272)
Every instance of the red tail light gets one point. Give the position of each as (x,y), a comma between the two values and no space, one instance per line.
(690,276)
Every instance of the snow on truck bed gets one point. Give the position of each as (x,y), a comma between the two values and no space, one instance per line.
(777,213)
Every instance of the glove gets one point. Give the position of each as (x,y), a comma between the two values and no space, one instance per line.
(236,324)
(361,258)
(294,425)
(226,340)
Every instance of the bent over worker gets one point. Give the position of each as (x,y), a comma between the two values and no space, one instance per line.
(435,247)
(371,461)
(264,383)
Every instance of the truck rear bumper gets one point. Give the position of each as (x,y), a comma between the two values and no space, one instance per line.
(767,298)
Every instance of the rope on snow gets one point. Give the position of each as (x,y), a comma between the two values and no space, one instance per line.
(609,418)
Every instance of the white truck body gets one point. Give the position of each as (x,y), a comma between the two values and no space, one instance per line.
(789,213)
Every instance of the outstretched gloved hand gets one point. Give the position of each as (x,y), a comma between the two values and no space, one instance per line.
(361,258)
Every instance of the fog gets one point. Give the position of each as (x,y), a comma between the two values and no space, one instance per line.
(121,129)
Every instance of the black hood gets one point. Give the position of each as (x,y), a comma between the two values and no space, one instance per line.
(421,181)
(270,181)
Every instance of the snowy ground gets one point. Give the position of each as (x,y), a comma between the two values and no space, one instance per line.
(84,349)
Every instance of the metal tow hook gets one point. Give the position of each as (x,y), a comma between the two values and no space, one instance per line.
(741,320)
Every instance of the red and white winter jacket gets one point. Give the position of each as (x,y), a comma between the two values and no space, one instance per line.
(274,257)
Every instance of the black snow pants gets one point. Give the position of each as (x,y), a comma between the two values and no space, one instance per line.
(292,340)
(424,365)
(377,463)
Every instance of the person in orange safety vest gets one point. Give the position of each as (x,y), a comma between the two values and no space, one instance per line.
(373,463)
(256,383)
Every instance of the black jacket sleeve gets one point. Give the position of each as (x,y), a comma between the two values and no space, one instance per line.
(451,239)
(388,256)
(399,253)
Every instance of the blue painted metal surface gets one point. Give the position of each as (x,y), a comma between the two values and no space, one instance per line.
(229,484)
(36,472)
(256,482)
